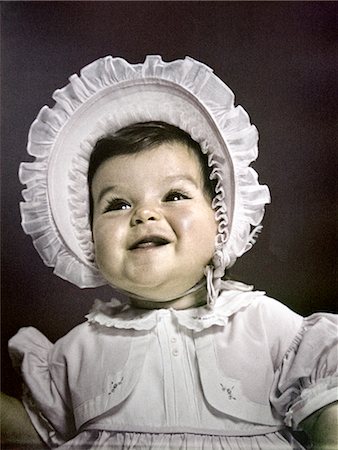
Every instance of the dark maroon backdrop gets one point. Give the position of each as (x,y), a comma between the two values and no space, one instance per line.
(279,58)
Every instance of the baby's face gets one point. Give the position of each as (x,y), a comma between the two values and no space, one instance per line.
(153,226)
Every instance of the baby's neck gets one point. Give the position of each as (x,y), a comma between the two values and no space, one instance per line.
(190,300)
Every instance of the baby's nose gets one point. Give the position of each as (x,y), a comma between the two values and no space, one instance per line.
(144,214)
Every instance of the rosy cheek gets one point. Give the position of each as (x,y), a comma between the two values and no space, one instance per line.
(182,223)
(109,233)
(97,235)
(101,235)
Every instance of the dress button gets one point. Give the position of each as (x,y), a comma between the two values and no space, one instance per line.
(175,352)
(173,340)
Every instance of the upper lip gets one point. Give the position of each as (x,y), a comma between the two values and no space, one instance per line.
(154,238)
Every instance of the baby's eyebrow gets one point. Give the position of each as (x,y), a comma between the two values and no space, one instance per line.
(183,177)
(104,191)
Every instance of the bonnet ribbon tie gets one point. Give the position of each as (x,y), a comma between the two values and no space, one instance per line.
(212,292)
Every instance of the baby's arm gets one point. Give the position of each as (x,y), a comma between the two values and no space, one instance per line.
(16,427)
(322,428)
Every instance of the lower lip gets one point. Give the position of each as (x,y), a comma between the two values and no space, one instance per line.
(148,247)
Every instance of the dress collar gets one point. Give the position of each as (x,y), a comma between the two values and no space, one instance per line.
(234,297)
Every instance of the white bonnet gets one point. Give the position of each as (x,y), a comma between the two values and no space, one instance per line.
(108,95)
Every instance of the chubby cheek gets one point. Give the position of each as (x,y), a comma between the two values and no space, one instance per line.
(207,237)
(197,230)
(107,245)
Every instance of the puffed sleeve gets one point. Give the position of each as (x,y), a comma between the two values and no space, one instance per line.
(45,399)
(307,378)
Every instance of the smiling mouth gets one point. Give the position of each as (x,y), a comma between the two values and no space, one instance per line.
(149,242)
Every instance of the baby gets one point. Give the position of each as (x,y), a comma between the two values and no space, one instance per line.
(142,181)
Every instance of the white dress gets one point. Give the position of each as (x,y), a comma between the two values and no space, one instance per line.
(237,377)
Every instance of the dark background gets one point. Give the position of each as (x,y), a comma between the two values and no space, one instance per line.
(278,58)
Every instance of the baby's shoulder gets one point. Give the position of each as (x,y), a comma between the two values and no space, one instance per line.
(269,307)
(248,302)
(78,337)
(259,314)
(89,339)
(89,346)
(276,318)
(87,334)
(259,325)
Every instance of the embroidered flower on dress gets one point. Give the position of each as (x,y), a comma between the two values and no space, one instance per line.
(228,391)
(114,385)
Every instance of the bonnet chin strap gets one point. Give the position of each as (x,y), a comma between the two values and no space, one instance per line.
(214,273)
(213,285)
(212,295)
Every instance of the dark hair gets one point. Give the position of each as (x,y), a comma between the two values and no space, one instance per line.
(144,136)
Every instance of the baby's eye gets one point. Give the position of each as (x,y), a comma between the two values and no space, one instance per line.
(174,196)
(116,204)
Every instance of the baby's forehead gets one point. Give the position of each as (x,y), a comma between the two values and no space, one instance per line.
(160,153)
(171,160)
(137,138)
